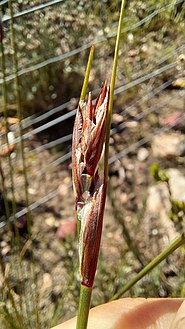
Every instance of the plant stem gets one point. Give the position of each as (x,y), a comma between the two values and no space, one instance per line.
(84,306)
(19,112)
(5,113)
(28,301)
(85,292)
(112,86)
(87,73)
(15,239)
(117,213)
(157,260)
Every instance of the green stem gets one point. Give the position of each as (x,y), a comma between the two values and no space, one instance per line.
(15,239)
(157,260)
(85,292)
(87,74)
(10,295)
(84,306)
(3,191)
(117,213)
(20,112)
(28,308)
(5,113)
(112,86)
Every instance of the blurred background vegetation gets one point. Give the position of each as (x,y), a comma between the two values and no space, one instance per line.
(39,263)
(61,33)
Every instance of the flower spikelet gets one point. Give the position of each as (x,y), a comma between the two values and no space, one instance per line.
(89,185)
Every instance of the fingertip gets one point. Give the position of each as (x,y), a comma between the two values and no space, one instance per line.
(151,313)
(179,320)
(133,313)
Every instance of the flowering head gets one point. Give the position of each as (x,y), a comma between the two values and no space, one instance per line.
(88,139)
(90,188)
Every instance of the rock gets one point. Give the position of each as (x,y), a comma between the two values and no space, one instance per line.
(168,145)
(32,191)
(158,198)
(50,221)
(63,188)
(157,208)
(117,118)
(50,258)
(124,198)
(144,48)
(179,83)
(142,154)
(177,184)
(175,119)
(3,244)
(5,250)
(131,124)
(46,282)
(65,229)
(129,166)
(130,38)
(122,173)
(21,224)
(12,121)
(133,53)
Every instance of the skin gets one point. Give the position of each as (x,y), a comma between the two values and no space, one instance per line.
(135,313)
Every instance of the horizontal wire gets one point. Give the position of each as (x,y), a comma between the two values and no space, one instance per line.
(33,119)
(41,128)
(143,141)
(47,114)
(49,145)
(146,77)
(113,159)
(141,115)
(166,57)
(52,60)
(33,9)
(138,117)
(72,113)
(47,125)
(33,206)
(89,44)
(54,2)
(52,51)
(55,163)
(120,154)
(67,138)
(3,2)
(147,97)
(126,111)
(41,117)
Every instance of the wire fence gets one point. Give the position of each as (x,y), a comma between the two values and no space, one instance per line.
(132,148)
(167,63)
(86,46)
(66,116)
(31,10)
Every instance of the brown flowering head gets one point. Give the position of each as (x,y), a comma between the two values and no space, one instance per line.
(89,184)
(91,217)
(88,139)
